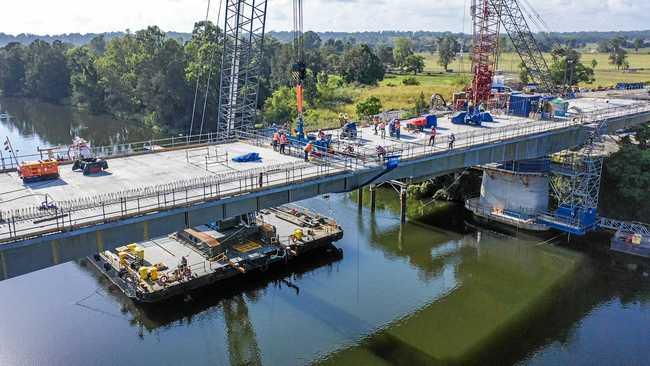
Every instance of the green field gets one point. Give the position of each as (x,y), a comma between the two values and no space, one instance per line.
(395,95)
(606,73)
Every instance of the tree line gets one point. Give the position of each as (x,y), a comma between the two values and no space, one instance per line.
(161,81)
(165,81)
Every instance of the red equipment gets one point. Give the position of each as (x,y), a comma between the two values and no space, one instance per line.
(484,54)
(488,16)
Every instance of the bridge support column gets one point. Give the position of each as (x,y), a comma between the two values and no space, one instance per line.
(360,198)
(403,197)
(373,198)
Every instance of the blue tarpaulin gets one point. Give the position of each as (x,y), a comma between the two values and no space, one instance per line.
(248,158)
(459,118)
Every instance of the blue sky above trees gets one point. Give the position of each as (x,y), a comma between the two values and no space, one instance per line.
(84,16)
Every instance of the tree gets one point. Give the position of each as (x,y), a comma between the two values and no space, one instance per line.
(421,105)
(98,45)
(85,80)
(403,49)
(415,64)
(524,76)
(281,107)
(447,48)
(628,173)
(203,53)
(12,69)
(594,64)
(617,54)
(385,54)
(47,73)
(311,40)
(638,43)
(361,65)
(643,136)
(369,107)
(566,68)
(604,46)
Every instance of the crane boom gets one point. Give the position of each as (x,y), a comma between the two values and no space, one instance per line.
(515,24)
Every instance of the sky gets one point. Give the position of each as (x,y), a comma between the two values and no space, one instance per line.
(95,16)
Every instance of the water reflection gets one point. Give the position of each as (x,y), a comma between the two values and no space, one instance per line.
(32,124)
(495,285)
(427,292)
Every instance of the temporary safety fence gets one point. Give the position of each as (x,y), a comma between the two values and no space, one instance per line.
(76,213)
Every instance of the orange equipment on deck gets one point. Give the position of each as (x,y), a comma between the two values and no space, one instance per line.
(31,171)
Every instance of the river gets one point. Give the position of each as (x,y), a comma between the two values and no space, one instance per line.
(431,291)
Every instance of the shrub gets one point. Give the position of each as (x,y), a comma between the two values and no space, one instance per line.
(410,81)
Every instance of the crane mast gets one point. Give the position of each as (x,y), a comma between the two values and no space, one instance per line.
(488,16)
(243,45)
(485,48)
(299,68)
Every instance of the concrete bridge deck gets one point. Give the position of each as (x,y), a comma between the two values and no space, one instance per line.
(158,192)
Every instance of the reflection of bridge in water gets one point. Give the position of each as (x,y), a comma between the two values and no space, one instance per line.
(231,303)
(154,188)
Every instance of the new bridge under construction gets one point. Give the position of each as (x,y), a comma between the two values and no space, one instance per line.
(154,188)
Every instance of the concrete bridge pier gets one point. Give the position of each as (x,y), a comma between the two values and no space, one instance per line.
(373,198)
(403,198)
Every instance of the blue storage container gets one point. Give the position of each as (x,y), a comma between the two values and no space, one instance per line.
(522,104)
(432,121)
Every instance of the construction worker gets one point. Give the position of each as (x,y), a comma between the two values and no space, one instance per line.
(308,149)
(276,141)
(382,129)
(375,123)
(398,129)
(381,152)
(432,137)
(284,141)
(321,135)
(452,140)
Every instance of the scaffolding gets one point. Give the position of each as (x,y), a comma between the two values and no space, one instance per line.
(576,178)
(240,66)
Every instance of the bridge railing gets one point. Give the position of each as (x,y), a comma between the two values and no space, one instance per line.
(338,157)
(72,214)
(470,139)
(8,163)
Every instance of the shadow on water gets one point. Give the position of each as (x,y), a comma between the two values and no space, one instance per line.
(551,291)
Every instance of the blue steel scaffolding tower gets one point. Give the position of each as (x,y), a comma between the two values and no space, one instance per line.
(575,182)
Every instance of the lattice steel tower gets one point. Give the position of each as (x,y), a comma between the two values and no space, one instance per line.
(240,66)
(485,49)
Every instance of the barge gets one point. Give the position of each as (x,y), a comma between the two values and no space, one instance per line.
(167,267)
(631,243)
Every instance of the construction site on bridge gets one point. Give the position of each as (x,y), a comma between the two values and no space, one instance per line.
(519,138)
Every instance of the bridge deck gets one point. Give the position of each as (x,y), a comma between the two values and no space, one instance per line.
(140,184)
(137,171)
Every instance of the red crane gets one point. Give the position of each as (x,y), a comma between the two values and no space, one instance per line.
(488,16)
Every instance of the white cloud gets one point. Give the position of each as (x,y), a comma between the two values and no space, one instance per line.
(66,16)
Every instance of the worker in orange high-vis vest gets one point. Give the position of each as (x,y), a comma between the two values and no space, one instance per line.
(308,149)
(276,141)
(284,141)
